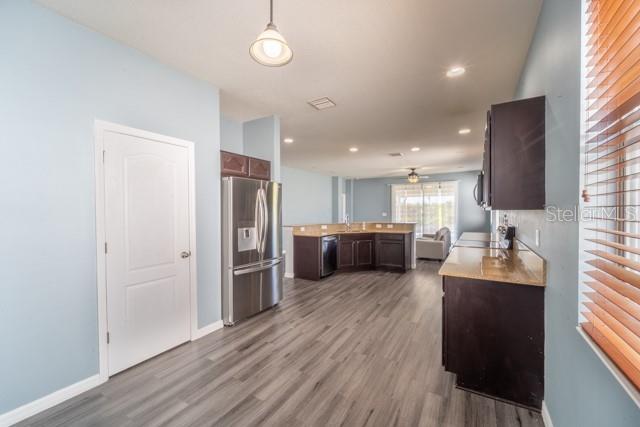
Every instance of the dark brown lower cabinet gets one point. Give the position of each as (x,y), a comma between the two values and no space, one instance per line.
(346,253)
(307,260)
(364,249)
(393,251)
(356,251)
(493,338)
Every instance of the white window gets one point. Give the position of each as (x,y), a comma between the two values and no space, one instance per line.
(431,205)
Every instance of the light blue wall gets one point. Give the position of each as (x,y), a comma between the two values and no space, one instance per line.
(56,77)
(338,189)
(231,135)
(579,390)
(261,139)
(372,197)
(307,197)
(348,191)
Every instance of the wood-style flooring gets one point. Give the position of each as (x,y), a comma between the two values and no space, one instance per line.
(354,349)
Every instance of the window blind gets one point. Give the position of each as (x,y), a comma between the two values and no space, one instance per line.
(610,309)
(407,204)
(440,206)
(431,205)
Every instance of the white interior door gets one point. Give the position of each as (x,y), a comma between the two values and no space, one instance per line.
(147,235)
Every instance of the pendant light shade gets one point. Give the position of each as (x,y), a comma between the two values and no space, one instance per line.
(413,177)
(270,48)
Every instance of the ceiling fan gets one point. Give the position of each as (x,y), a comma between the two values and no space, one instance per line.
(412,175)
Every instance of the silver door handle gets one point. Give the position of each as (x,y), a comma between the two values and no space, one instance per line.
(185,254)
(258,222)
(265,220)
(256,268)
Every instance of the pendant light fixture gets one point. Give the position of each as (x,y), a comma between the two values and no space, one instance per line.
(270,48)
(413,177)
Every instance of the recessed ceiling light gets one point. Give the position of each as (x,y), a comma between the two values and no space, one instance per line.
(464,131)
(353,149)
(288,140)
(456,71)
(415,149)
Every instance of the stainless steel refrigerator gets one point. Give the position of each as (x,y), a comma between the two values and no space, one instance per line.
(252,261)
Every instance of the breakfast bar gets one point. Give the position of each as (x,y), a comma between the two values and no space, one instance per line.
(320,250)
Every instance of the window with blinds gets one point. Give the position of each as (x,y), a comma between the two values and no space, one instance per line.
(610,309)
(431,205)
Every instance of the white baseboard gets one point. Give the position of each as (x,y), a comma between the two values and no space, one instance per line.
(32,408)
(546,416)
(48,401)
(199,333)
(289,275)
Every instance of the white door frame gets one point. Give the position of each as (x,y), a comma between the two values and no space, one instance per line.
(101,127)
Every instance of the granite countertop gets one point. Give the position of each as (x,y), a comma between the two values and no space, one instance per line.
(480,237)
(322,233)
(521,267)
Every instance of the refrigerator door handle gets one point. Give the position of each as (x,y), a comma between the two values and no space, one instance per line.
(265,217)
(258,222)
(255,269)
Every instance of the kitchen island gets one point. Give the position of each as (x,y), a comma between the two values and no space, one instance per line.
(493,319)
(322,249)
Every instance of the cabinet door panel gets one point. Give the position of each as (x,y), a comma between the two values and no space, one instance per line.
(308,257)
(259,169)
(346,253)
(233,164)
(365,253)
(498,352)
(390,253)
(517,154)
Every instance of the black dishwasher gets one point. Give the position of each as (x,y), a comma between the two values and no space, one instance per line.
(329,255)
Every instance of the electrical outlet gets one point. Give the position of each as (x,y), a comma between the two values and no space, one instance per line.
(384,214)
(302,228)
(323,227)
(378,225)
(389,225)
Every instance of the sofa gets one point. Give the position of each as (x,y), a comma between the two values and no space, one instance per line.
(434,246)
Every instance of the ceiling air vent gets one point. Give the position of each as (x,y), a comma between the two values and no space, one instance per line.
(396,154)
(322,103)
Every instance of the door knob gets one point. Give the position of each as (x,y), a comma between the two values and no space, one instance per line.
(185,254)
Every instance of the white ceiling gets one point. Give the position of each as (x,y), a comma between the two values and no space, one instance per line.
(382,61)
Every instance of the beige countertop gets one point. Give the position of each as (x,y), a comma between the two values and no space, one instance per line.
(479,237)
(320,230)
(522,267)
(321,233)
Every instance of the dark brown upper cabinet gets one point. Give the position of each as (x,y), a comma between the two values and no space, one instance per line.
(514,159)
(259,169)
(232,164)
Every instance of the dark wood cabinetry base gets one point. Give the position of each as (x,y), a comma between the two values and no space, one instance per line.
(493,338)
(307,262)
(356,251)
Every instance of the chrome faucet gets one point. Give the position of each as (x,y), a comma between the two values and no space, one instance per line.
(347,222)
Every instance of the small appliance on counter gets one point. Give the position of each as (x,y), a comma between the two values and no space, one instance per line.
(507,236)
